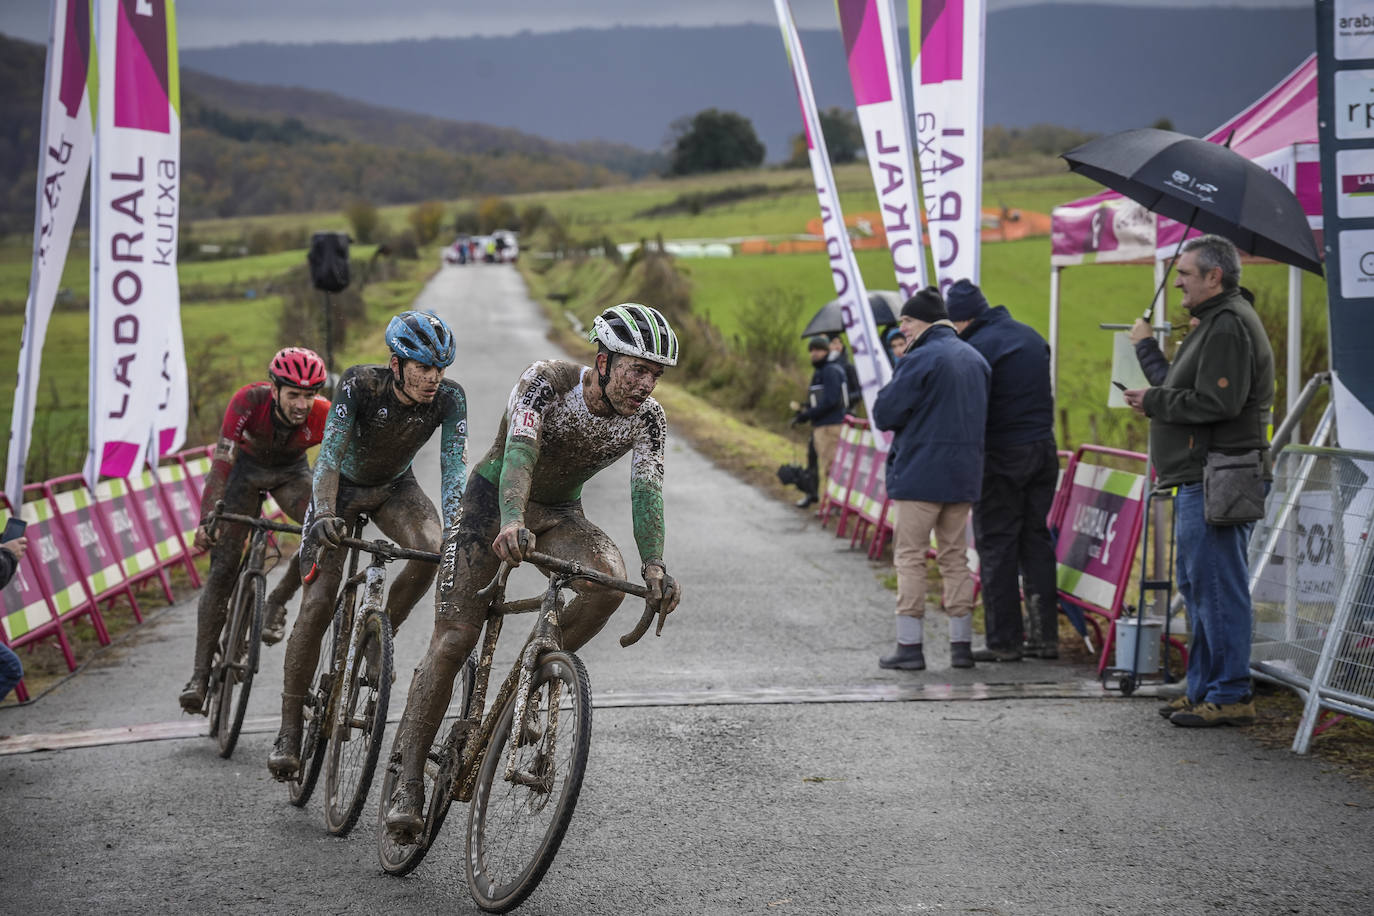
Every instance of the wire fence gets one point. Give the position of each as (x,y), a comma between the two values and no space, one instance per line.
(1312,583)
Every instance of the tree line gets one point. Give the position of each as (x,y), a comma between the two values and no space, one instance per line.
(714,140)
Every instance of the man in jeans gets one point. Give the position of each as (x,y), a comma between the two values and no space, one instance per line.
(1020,473)
(1218,396)
(936,405)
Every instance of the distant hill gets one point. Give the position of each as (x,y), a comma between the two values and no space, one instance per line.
(1096,68)
(256,149)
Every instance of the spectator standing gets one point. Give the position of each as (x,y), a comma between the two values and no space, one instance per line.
(824,410)
(1217,398)
(936,404)
(895,343)
(11,670)
(1020,473)
(838,354)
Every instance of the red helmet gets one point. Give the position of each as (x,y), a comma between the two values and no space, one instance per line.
(297,367)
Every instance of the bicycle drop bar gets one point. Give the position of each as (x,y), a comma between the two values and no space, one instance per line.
(389,550)
(253,520)
(578,571)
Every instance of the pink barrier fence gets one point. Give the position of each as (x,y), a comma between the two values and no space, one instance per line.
(89,549)
(1098,511)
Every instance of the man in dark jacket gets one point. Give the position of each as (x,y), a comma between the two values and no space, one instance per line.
(1020,474)
(1218,397)
(11,669)
(824,409)
(936,404)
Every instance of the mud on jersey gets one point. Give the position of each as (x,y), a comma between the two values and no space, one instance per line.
(251,426)
(550,444)
(371,437)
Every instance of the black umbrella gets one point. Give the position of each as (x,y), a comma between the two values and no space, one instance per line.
(1205,186)
(885,304)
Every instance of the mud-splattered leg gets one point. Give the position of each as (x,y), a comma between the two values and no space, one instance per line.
(578,540)
(409,518)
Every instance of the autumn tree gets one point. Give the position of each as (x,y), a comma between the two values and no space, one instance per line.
(363,218)
(426,220)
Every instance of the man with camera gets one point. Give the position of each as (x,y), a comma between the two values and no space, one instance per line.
(827,399)
(1208,437)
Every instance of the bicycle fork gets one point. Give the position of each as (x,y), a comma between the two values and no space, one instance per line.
(547,637)
(372,598)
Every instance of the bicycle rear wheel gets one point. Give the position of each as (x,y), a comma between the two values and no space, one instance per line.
(312,715)
(515,826)
(356,730)
(401,859)
(242,646)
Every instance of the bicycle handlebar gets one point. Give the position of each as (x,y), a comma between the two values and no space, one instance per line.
(255,521)
(388,550)
(578,571)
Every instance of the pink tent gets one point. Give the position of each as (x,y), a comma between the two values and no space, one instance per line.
(1279,132)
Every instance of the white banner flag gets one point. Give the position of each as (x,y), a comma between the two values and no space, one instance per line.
(63,161)
(947,85)
(874,53)
(870,360)
(135,300)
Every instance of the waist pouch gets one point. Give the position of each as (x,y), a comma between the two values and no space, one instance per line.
(1233,488)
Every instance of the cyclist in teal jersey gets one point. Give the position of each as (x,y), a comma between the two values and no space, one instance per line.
(380,418)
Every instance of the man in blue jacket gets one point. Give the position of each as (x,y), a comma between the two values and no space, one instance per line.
(1020,474)
(936,404)
(824,410)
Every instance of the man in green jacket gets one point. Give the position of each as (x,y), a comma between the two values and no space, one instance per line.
(1218,396)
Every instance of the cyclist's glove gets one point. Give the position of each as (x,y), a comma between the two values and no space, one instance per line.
(329,530)
(663,590)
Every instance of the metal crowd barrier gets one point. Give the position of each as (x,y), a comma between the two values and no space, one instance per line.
(92,548)
(1312,583)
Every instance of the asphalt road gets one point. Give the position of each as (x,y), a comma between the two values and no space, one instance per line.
(752,759)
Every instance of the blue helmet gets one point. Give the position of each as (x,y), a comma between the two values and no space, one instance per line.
(421,336)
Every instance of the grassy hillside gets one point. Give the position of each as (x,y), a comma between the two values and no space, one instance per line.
(269,149)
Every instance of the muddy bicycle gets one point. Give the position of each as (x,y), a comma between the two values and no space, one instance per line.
(522,789)
(345,708)
(236,659)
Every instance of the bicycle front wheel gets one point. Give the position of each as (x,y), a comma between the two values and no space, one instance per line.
(399,858)
(313,711)
(241,653)
(516,824)
(356,730)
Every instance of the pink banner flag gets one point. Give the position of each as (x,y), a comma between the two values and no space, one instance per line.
(63,161)
(870,360)
(870,41)
(947,88)
(138,374)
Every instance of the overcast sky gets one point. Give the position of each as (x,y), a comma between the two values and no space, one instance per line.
(213,23)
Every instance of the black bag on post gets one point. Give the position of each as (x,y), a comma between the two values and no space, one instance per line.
(329,261)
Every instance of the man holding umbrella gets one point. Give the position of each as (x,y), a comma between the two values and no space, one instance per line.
(1209,418)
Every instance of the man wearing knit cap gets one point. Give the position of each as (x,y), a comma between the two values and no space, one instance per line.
(936,406)
(1020,473)
(824,409)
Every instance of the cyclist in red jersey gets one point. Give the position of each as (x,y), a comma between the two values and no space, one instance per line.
(267,428)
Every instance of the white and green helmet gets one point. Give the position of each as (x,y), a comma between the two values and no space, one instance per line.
(636,330)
